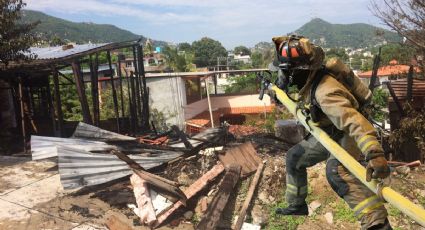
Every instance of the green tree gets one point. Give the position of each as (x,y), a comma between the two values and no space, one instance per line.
(337,52)
(175,60)
(242,50)
(257,60)
(186,47)
(15,38)
(206,52)
(402,53)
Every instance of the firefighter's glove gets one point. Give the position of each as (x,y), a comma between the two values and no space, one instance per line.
(377,168)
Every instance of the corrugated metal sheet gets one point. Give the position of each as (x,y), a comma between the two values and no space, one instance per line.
(84,130)
(57,51)
(46,147)
(80,168)
(400,88)
(211,134)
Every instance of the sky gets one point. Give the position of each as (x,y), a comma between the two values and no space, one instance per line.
(232,22)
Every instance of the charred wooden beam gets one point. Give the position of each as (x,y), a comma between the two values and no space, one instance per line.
(94,79)
(119,72)
(213,214)
(145,90)
(114,92)
(51,108)
(133,107)
(21,103)
(396,101)
(137,84)
(190,192)
(58,102)
(248,198)
(78,76)
(409,84)
(164,185)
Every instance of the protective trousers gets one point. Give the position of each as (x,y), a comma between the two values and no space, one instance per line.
(366,205)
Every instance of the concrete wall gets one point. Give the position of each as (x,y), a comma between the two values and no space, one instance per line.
(166,96)
(196,108)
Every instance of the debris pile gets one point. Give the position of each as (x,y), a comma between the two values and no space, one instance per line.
(175,179)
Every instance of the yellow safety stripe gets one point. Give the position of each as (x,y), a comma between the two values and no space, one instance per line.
(367,205)
(366,141)
(294,189)
(369,144)
(370,208)
(363,138)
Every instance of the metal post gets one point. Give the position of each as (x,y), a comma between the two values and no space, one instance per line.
(209,103)
(114,92)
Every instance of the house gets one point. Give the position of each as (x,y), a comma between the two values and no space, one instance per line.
(32,92)
(387,73)
(183,99)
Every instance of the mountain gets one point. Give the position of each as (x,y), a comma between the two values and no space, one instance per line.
(358,35)
(56,28)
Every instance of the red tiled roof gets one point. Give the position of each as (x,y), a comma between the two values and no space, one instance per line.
(388,71)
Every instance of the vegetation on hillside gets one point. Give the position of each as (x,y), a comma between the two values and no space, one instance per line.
(358,35)
(15,38)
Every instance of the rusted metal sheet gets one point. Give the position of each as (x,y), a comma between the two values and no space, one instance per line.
(84,130)
(80,168)
(213,215)
(192,191)
(244,155)
(209,135)
(46,147)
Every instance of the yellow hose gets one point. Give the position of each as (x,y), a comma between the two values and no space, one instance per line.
(414,211)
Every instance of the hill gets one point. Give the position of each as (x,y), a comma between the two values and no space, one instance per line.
(53,28)
(358,35)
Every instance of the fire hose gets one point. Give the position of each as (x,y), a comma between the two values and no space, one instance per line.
(409,208)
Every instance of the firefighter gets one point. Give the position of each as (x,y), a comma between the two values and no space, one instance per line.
(331,104)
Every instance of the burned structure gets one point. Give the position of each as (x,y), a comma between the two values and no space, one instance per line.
(32,91)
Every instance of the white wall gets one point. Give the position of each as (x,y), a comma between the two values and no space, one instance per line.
(166,95)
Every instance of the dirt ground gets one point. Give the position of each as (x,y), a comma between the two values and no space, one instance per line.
(31,196)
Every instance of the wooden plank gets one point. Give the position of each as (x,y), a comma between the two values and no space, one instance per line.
(158,182)
(248,198)
(213,214)
(192,191)
(145,209)
(244,155)
(76,68)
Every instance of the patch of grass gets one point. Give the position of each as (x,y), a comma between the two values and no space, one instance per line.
(195,219)
(278,222)
(343,212)
(394,212)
